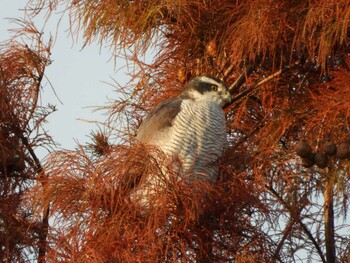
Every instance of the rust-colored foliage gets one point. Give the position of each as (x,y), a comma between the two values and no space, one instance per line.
(21,70)
(97,221)
(294,59)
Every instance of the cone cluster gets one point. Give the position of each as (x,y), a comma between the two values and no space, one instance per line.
(322,155)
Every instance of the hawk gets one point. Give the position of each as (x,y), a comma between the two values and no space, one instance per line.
(190,127)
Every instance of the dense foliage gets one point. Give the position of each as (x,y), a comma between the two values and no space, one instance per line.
(22,67)
(288,66)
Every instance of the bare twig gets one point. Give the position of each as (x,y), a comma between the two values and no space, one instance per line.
(286,232)
(239,82)
(241,79)
(228,71)
(297,219)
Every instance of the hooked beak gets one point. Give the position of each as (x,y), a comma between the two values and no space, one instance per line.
(228,97)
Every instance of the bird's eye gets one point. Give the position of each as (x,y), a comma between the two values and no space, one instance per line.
(214,88)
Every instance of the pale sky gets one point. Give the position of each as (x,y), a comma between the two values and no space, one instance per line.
(77,76)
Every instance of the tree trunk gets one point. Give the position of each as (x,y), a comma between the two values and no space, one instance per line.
(329,218)
(43,236)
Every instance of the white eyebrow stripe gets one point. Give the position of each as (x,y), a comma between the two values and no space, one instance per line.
(209,80)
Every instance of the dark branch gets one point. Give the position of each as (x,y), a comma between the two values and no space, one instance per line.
(242,78)
(297,219)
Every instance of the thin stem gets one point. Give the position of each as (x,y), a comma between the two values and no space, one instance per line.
(241,79)
(329,218)
(297,219)
(286,232)
(239,82)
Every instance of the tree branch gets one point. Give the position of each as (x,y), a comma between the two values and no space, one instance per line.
(242,78)
(286,232)
(329,219)
(298,220)
(45,220)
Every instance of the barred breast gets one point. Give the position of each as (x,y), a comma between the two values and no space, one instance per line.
(198,137)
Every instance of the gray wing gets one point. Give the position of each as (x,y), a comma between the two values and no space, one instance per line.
(159,118)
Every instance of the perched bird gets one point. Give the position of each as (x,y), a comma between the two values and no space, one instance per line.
(191,127)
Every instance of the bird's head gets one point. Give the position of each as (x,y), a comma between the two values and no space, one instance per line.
(203,88)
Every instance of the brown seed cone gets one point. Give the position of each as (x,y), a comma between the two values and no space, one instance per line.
(303,149)
(329,148)
(309,161)
(343,151)
(321,159)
